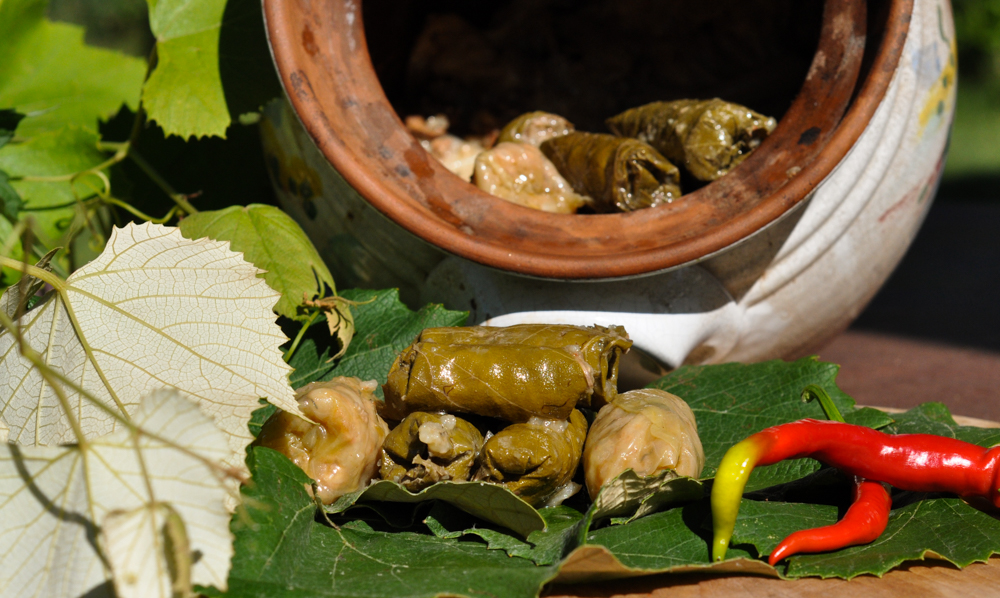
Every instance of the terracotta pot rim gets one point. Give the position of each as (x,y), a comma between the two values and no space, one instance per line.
(363,138)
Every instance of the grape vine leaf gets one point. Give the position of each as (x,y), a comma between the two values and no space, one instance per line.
(385,327)
(544,547)
(282,551)
(56,500)
(184,92)
(272,241)
(49,161)
(51,76)
(485,501)
(212,65)
(153,310)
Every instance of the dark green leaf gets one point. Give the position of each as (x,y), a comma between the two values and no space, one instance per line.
(489,502)
(8,124)
(662,541)
(761,525)
(282,551)
(868,417)
(544,547)
(934,418)
(259,416)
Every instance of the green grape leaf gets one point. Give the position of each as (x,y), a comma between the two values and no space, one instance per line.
(51,76)
(869,417)
(676,540)
(282,551)
(488,502)
(212,65)
(544,547)
(385,327)
(732,401)
(184,92)
(272,241)
(42,170)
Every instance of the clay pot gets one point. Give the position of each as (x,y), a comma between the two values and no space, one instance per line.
(760,233)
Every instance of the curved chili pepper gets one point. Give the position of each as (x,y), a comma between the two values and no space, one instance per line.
(864,521)
(918,462)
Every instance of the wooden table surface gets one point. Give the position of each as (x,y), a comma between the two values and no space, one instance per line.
(878,370)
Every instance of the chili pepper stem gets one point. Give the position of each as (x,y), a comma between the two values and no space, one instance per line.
(727,490)
(814,391)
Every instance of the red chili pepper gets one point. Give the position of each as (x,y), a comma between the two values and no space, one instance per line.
(918,462)
(864,521)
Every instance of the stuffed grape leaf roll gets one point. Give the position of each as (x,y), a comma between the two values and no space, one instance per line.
(430,447)
(619,173)
(536,460)
(512,373)
(707,137)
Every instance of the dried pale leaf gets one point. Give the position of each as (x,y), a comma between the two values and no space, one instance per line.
(145,557)
(339,319)
(53,499)
(153,310)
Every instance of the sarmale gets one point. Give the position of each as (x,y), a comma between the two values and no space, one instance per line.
(341,450)
(708,137)
(521,174)
(645,430)
(512,373)
(430,447)
(536,460)
(620,174)
(534,128)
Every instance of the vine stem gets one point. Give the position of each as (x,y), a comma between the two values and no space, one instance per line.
(41,274)
(298,337)
(179,198)
(121,151)
(137,213)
